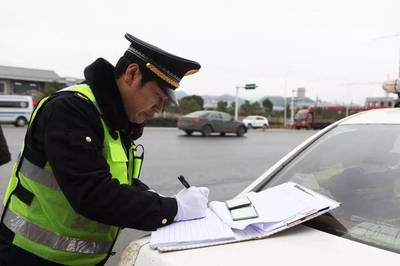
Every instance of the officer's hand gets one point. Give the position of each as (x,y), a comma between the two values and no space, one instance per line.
(192,203)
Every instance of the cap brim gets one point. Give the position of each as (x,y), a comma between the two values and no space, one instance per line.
(170,94)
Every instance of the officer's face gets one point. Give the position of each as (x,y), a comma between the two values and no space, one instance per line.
(140,102)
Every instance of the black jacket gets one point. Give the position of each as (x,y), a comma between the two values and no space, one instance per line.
(81,171)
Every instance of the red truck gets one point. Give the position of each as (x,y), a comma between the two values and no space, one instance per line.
(322,116)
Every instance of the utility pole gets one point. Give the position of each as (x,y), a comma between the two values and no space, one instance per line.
(250,86)
(285,112)
(285,104)
(237,102)
(292,109)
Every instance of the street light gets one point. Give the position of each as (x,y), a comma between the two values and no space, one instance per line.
(250,86)
(292,108)
(285,104)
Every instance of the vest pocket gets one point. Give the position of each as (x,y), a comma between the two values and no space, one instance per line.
(117,153)
(118,162)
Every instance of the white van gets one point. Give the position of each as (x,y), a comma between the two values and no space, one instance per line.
(16,109)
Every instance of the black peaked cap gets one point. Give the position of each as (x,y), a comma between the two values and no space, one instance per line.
(167,67)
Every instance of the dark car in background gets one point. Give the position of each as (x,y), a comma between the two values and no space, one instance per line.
(207,122)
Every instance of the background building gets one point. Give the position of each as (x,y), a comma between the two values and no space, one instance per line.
(379,101)
(29,81)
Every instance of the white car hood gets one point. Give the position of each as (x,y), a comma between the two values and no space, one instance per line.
(297,246)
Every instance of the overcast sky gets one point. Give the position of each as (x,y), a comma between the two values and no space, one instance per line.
(331,48)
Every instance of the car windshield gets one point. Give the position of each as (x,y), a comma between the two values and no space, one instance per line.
(299,116)
(226,117)
(359,166)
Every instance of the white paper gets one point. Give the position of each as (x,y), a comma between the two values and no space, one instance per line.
(204,230)
(282,203)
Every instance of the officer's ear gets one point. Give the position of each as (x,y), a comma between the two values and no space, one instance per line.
(132,74)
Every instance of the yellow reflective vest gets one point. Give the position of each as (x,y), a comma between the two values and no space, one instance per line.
(49,227)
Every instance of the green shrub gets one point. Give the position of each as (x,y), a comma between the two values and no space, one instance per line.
(162,122)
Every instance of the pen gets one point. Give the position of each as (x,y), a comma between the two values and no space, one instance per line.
(183,181)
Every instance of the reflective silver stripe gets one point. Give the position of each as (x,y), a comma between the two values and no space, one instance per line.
(40,175)
(19,225)
(46,178)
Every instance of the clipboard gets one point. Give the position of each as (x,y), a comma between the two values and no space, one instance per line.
(251,229)
(241,238)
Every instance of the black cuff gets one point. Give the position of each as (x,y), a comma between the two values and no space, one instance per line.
(169,210)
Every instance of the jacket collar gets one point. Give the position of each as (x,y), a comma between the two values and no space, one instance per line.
(100,77)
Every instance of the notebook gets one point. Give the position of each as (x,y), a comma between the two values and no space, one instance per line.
(206,230)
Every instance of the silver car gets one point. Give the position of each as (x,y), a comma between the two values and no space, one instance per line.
(207,122)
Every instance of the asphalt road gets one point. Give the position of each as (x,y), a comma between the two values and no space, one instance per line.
(224,164)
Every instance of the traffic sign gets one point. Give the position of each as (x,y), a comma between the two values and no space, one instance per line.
(251,86)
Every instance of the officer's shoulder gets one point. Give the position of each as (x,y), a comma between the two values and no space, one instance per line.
(66,97)
(70,102)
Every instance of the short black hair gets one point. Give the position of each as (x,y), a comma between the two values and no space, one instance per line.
(147,75)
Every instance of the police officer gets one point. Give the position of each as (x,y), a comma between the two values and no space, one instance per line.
(75,184)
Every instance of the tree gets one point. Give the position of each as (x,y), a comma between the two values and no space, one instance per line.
(198,99)
(268,106)
(248,108)
(190,104)
(169,107)
(51,87)
(245,108)
(231,108)
(186,105)
(256,108)
(222,106)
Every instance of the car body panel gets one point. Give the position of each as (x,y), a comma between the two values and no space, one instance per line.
(300,245)
(215,119)
(379,116)
(190,125)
